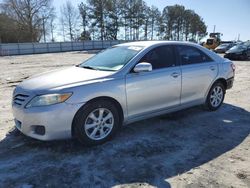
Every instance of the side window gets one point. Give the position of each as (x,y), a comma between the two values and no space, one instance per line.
(160,57)
(191,55)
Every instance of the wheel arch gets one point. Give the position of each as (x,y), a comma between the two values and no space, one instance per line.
(104,98)
(222,80)
(207,104)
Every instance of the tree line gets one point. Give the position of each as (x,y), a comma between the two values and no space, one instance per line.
(36,20)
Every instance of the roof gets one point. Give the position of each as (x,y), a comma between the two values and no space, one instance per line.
(146,44)
(150,43)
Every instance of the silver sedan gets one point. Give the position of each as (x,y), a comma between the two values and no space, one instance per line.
(120,85)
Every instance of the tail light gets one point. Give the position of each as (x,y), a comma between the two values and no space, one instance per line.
(233,66)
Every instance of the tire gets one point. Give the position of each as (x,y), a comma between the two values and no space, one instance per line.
(215,96)
(92,129)
(245,57)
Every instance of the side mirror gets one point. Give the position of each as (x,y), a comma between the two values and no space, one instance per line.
(143,67)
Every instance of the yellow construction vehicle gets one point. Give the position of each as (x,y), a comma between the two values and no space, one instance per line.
(213,41)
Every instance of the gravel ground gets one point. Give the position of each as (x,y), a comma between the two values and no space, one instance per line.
(191,148)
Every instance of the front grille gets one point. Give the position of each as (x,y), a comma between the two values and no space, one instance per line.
(20,99)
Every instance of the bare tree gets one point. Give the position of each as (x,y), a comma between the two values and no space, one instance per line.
(69,17)
(9,31)
(62,23)
(30,15)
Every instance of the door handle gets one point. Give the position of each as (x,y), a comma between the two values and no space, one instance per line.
(175,74)
(212,68)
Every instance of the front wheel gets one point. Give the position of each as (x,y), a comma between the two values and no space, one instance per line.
(215,96)
(96,122)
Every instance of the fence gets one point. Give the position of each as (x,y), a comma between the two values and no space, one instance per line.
(36,48)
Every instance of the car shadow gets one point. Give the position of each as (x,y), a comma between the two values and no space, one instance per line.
(144,153)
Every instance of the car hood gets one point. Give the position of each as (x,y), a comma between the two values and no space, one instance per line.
(62,78)
(221,48)
(235,51)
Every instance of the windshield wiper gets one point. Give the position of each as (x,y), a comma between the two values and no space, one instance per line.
(89,67)
(93,68)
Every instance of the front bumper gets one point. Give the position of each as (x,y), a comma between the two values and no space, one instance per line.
(56,119)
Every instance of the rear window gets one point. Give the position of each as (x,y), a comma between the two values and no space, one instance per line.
(192,55)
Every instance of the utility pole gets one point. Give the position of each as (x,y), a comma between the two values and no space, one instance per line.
(214,28)
(63,29)
(52,31)
(44,38)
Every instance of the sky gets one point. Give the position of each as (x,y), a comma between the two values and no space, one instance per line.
(230,17)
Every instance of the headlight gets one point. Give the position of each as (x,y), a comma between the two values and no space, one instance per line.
(49,99)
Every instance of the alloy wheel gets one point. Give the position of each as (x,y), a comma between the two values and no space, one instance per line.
(216,96)
(99,124)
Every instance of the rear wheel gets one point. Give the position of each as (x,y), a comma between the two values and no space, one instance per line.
(215,96)
(244,56)
(96,122)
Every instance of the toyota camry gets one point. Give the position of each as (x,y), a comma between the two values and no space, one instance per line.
(122,84)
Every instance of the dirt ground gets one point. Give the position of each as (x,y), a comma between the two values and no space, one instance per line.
(191,148)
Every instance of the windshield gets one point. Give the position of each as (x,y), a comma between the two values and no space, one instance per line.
(224,45)
(112,59)
(239,47)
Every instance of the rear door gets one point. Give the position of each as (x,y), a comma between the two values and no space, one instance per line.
(198,72)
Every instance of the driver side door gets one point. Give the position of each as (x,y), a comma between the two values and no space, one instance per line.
(149,92)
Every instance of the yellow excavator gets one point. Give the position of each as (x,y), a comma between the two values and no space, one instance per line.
(213,41)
